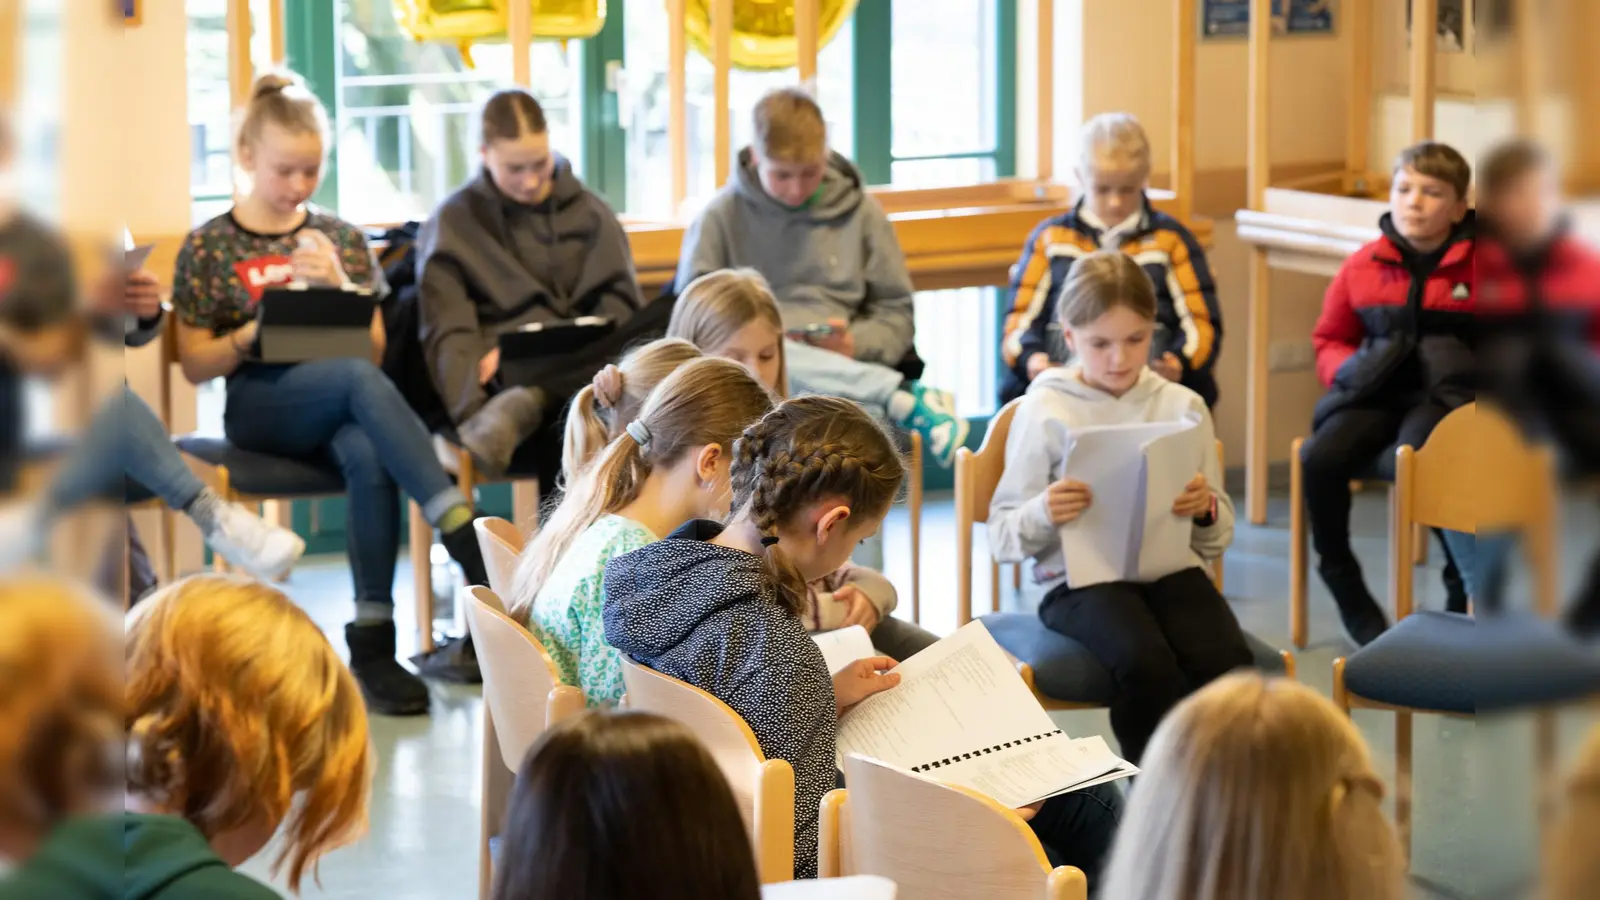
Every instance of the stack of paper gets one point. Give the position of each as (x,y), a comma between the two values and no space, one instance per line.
(1129,532)
(962,715)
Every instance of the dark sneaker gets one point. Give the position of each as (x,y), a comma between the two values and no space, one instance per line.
(1359,614)
(1455,589)
(455,660)
(388,687)
(493,433)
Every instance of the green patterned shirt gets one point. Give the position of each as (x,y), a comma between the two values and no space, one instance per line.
(566,611)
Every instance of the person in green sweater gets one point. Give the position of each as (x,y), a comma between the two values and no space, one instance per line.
(60,702)
(241,724)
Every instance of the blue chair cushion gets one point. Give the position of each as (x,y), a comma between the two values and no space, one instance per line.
(262,474)
(1448,662)
(1064,669)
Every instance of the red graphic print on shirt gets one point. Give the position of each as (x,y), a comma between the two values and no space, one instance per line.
(261,272)
(8,274)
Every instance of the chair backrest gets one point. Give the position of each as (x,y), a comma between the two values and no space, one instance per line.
(521,684)
(984,467)
(737,752)
(1476,474)
(899,827)
(501,545)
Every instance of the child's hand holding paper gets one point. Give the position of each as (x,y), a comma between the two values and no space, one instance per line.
(1067,499)
(1195,500)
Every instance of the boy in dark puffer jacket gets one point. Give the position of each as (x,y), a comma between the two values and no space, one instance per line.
(1395,347)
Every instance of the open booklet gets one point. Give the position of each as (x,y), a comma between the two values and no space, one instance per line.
(962,715)
(1129,532)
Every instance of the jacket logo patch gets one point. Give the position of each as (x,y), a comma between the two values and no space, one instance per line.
(1462,291)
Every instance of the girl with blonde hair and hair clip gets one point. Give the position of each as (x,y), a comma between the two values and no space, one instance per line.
(669,465)
(732,313)
(242,723)
(1256,788)
(607,404)
(1572,867)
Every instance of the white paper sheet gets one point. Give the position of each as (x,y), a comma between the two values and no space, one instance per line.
(1129,533)
(962,715)
(855,887)
(843,646)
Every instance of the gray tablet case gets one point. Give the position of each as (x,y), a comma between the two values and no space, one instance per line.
(300,324)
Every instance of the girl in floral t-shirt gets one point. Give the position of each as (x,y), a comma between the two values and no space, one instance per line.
(342,411)
(668,467)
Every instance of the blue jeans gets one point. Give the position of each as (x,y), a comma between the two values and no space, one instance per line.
(125,440)
(347,412)
(1078,829)
(813,370)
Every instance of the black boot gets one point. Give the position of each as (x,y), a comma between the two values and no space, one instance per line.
(1359,613)
(1455,589)
(1583,616)
(388,687)
(462,545)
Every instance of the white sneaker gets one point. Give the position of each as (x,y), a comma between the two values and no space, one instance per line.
(254,544)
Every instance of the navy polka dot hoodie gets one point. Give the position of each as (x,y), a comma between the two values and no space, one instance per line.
(706,614)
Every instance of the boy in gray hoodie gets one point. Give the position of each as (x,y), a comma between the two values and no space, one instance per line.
(799,214)
(1159,640)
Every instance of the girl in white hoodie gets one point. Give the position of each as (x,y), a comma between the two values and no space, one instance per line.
(1163,639)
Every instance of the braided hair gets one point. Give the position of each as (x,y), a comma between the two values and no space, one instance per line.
(805,450)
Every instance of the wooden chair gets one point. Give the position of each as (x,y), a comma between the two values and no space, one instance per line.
(1430,662)
(524,511)
(1061,672)
(501,545)
(899,825)
(763,788)
(522,696)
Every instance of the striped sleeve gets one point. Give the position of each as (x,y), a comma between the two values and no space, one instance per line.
(1030,288)
(1194,298)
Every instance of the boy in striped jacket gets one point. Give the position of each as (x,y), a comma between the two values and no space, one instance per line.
(1114,214)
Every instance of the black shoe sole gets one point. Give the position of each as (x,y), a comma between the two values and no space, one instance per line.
(386,708)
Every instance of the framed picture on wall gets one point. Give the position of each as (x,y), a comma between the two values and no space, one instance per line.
(1231,18)
(1451,27)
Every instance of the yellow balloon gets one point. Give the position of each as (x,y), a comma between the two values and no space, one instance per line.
(464,22)
(763,30)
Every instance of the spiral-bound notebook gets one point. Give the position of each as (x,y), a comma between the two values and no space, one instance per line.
(962,715)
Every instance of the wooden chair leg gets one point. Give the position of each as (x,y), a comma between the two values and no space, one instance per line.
(994,586)
(1290,669)
(914,502)
(421,539)
(224,490)
(496,782)
(1299,539)
(1545,752)
(1016,577)
(1402,780)
(525,504)
(1341,697)
(167,532)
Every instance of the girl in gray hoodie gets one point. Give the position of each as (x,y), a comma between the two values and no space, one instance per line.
(1162,639)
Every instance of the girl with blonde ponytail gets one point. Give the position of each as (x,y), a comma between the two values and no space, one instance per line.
(669,465)
(607,404)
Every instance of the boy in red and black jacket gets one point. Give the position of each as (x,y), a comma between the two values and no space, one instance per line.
(1540,335)
(1395,346)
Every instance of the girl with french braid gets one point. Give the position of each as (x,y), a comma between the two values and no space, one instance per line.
(718,605)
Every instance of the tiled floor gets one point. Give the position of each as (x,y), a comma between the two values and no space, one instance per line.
(1475,792)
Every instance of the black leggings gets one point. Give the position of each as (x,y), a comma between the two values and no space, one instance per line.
(1347,445)
(1160,641)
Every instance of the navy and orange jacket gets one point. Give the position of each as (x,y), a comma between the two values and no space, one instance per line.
(1389,307)
(1189,319)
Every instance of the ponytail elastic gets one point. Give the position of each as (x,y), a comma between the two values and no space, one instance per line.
(768,540)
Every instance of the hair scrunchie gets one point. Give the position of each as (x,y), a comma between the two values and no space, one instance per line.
(607,386)
(639,432)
